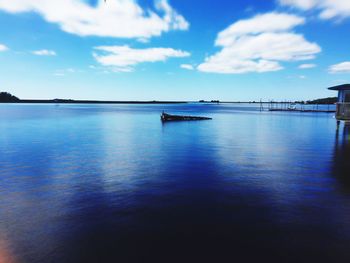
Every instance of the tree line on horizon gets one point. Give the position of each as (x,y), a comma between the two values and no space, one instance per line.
(8,97)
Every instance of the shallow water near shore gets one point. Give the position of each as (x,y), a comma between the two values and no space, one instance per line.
(111,183)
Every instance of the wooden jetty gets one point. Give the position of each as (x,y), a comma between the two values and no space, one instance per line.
(169,117)
(302,110)
(296,107)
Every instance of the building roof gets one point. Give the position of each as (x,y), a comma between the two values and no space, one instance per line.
(340,87)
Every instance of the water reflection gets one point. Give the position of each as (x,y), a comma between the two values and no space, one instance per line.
(341,162)
(109,183)
(6,255)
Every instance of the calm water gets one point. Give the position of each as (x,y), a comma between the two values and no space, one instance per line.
(110,183)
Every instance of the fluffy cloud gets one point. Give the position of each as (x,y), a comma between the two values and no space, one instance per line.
(307,66)
(328,8)
(343,67)
(124,58)
(187,66)
(259,44)
(114,18)
(44,52)
(301,4)
(270,22)
(3,47)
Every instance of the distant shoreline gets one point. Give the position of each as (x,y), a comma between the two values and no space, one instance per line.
(62,101)
(93,102)
(6,97)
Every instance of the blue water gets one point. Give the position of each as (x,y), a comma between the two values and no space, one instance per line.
(111,183)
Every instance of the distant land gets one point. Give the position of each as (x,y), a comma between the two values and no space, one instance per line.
(330,100)
(6,97)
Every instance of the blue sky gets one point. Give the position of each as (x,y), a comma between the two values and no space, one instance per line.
(174,50)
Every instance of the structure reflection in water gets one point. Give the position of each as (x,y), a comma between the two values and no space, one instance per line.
(341,163)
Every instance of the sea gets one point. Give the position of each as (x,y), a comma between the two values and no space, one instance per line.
(112,183)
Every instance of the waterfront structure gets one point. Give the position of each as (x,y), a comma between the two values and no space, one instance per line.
(343,104)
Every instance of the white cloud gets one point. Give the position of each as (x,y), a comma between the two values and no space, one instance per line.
(59,74)
(124,58)
(259,44)
(343,67)
(71,70)
(44,52)
(3,48)
(114,18)
(187,66)
(328,8)
(307,66)
(301,4)
(143,40)
(270,22)
(66,71)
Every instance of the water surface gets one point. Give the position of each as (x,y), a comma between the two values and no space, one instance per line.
(111,183)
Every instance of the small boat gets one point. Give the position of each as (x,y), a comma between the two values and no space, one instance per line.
(170,117)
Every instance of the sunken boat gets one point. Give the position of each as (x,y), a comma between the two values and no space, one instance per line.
(169,117)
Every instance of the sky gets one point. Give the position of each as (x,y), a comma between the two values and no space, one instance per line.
(241,50)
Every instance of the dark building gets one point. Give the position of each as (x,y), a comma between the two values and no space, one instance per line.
(343,104)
